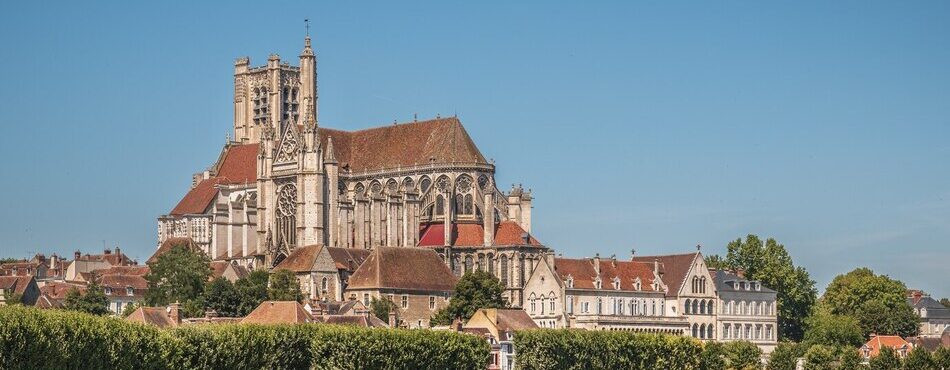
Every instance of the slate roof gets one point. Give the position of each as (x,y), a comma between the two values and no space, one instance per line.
(278,312)
(722,277)
(403,268)
(935,310)
(673,268)
(507,233)
(583,272)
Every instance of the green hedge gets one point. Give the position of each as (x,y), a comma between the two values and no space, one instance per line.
(589,349)
(36,339)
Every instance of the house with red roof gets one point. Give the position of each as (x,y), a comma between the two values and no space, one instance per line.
(601,294)
(874,345)
(22,287)
(415,279)
(323,272)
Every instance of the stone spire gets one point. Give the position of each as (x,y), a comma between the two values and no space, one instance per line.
(331,158)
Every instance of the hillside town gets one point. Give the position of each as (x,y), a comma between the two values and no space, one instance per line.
(384,226)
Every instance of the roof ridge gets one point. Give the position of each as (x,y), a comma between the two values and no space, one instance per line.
(397,124)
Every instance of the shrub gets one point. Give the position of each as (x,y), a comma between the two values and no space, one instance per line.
(920,359)
(784,357)
(583,349)
(820,357)
(886,360)
(35,339)
(743,355)
(942,358)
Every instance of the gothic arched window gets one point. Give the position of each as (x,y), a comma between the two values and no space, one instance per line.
(425,184)
(468,204)
(504,270)
(459,207)
(287,215)
(468,264)
(324,285)
(439,205)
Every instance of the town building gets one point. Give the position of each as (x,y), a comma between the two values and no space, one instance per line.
(874,345)
(601,294)
(746,311)
(24,288)
(286,182)
(40,267)
(82,264)
(690,291)
(229,271)
(123,289)
(323,272)
(499,327)
(415,279)
(934,316)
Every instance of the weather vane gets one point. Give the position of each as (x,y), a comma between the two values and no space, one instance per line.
(306,22)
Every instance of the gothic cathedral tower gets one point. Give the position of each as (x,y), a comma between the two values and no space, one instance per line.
(275,106)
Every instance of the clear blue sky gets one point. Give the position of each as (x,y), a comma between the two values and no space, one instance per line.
(647,125)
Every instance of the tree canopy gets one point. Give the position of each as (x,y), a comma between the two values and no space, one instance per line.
(382,307)
(221,296)
(825,328)
(284,286)
(876,301)
(252,290)
(771,264)
(475,290)
(945,302)
(178,275)
(93,301)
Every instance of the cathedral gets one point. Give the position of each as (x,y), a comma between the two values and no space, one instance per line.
(285,182)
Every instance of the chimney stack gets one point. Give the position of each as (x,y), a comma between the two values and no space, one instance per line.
(656,267)
(392,318)
(76,255)
(174,313)
(597,264)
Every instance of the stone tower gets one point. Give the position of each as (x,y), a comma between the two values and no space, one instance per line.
(272,94)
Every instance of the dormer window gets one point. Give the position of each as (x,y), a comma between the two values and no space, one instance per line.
(637,284)
(570,281)
(108,290)
(129,291)
(616,283)
(597,284)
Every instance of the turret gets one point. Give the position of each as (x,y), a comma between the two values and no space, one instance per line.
(308,77)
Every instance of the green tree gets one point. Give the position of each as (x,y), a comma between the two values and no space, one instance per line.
(919,359)
(784,357)
(382,307)
(876,301)
(178,275)
(886,360)
(130,308)
(942,358)
(284,286)
(850,359)
(12,298)
(252,290)
(771,264)
(713,356)
(945,302)
(715,261)
(742,355)
(93,301)
(828,329)
(9,260)
(820,357)
(475,290)
(221,296)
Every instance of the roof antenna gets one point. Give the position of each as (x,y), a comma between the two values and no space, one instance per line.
(415,117)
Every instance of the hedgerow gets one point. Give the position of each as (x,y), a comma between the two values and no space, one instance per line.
(589,349)
(36,339)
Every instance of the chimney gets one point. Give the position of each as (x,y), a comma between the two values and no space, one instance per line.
(656,267)
(633,253)
(917,296)
(174,313)
(76,255)
(53,261)
(117,250)
(526,238)
(457,325)
(392,318)
(107,251)
(597,264)
(613,260)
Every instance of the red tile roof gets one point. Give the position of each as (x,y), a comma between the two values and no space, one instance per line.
(46,302)
(157,316)
(584,274)
(473,235)
(278,312)
(442,140)
(120,283)
(302,259)
(237,166)
(348,259)
(880,341)
(404,269)
(57,290)
(673,268)
(17,284)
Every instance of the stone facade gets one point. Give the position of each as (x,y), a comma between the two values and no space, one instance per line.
(284,182)
(747,311)
(934,316)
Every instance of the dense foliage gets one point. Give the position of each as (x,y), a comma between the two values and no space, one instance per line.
(742,355)
(475,290)
(284,286)
(252,289)
(590,349)
(833,330)
(178,275)
(876,301)
(784,356)
(382,307)
(93,301)
(771,264)
(36,339)
(887,359)
(222,297)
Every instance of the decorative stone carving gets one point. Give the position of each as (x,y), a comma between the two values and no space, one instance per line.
(442,184)
(464,183)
